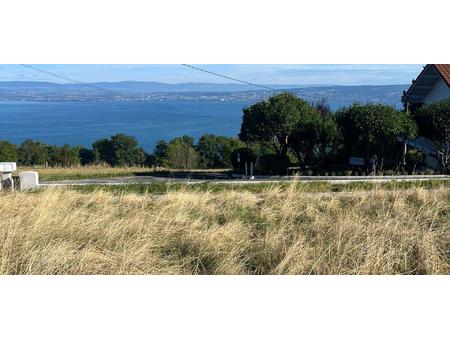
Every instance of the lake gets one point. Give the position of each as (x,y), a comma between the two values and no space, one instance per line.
(81,123)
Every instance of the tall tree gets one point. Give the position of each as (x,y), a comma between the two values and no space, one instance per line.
(371,129)
(160,153)
(315,137)
(272,122)
(120,150)
(181,153)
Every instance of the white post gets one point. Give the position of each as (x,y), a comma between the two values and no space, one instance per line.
(251,171)
(6,169)
(245,169)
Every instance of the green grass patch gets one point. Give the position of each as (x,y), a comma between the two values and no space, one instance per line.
(164,187)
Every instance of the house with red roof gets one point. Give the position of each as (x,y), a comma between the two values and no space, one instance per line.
(432,85)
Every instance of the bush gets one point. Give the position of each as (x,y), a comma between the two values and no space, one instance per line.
(33,153)
(64,156)
(215,151)
(413,158)
(87,156)
(8,152)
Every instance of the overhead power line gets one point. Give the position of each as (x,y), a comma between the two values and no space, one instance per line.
(228,77)
(62,77)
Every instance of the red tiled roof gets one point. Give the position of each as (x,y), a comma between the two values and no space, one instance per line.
(444,71)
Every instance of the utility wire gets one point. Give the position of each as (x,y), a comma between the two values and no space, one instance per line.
(62,77)
(228,77)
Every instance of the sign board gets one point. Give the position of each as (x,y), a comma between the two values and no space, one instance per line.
(356,161)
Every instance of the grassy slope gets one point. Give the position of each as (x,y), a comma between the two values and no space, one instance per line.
(280,230)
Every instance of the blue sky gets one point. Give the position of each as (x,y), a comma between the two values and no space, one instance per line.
(261,74)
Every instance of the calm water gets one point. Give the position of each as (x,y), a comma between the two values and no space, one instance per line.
(81,123)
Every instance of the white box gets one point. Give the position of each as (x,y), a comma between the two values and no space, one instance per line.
(28,180)
(7,167)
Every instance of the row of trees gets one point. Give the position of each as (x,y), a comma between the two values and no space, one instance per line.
(279,132)
(289,130)
(31,153)
(294,131)
(121,150)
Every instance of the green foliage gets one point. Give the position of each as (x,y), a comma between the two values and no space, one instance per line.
(102,150)
(119,151)
(215,151)
(434,123)
(413,158)
(33,153)
(64,156)
(273,164)
(8,152)
(286,122)
(242,155)
(371,129)
(181,153)
(316,137)
(87,156)
(272,122)
(160,153)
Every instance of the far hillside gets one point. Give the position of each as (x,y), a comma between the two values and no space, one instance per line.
(137,90)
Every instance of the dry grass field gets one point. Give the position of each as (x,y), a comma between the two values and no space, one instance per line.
(275,231)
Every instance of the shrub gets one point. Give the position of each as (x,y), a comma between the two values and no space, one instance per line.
(8,152)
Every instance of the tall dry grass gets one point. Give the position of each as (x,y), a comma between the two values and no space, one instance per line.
(62,231)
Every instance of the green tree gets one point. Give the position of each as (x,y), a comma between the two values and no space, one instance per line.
(181,153)
(272,122)
(87,156)
(65,156)
(103,151)
(374,129)
(33,153)
(160,153)
(433,121)
(272,125)
(316,137)
(215,151)
(118,151)
(8,152)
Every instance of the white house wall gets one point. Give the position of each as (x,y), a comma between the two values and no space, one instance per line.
(439,92)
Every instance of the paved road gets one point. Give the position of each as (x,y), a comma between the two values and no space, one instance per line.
(225,180)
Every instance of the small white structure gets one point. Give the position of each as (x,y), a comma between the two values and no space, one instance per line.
(6,169)
(28,180)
